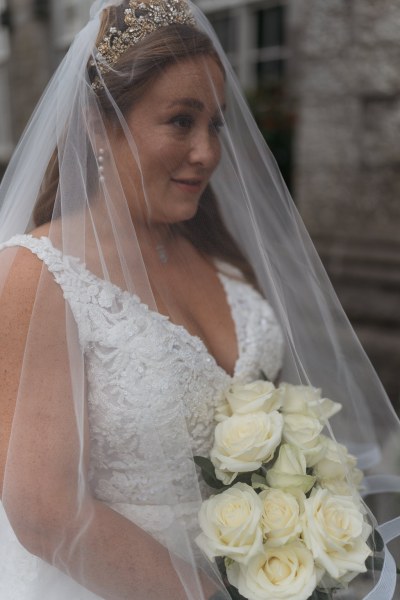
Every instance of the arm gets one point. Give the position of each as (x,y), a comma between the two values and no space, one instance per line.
(95,545)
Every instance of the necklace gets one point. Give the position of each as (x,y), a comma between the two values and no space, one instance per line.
(162,253)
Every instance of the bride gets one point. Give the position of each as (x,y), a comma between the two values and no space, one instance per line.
(150,256)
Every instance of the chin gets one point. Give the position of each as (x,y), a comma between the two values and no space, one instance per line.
(183,214)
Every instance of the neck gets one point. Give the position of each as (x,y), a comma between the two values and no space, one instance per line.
(156,240)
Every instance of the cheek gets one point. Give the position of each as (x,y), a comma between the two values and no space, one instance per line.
(217,153)
(169,157)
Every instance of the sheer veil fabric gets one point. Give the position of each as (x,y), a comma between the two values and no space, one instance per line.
(88,222)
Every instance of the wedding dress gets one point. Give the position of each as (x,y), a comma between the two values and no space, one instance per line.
(86,168)
(136,358)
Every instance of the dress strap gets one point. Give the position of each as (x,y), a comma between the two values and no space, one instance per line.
(66,270)
(44,250)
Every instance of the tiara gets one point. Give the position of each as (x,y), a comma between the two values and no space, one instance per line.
(141,18)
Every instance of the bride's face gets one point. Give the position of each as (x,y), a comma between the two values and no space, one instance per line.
(175,128)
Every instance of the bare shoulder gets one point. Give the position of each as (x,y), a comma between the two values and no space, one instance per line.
(23,278)
(20,271)
(33,343)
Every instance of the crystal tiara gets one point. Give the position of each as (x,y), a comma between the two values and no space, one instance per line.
(141,18)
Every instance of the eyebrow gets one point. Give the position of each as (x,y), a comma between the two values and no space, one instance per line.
(191,103)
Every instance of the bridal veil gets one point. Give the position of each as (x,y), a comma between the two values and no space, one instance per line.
(65,172)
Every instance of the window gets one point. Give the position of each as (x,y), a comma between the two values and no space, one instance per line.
(270,25)
(271,45)
(253,37)
(224,25)
(253,34)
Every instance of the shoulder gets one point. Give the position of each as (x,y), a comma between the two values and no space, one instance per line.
(21,260)
(31,307)
(19,280)
(21,271)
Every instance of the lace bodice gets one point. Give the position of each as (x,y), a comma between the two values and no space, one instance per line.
(141,368)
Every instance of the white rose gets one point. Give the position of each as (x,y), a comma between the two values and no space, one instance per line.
(226,477)
(230,524)
(335,531)
(335,466)
(244,442)
(284,573)
(280,521)
(307,401)
(289,472)
(222,412)
(304,432)
(342,487)
(249,397)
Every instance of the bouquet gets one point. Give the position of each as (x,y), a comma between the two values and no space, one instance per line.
(286,521)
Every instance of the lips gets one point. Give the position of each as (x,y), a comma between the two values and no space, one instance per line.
(192,185)
(194,182)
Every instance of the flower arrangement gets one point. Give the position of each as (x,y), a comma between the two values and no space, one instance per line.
(286,519)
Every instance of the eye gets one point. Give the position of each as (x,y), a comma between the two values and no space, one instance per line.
(182,121)
(216,125)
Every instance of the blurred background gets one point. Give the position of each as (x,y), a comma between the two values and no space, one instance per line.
(323,81)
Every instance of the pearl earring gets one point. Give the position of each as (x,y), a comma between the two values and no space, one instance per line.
(100,162)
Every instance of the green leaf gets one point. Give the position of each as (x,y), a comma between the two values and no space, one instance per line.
(243,478)
(208,472)
(205,464)
(234,593)
(258,481)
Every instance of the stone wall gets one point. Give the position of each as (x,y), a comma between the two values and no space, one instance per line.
(345,77)
(40,35)
(30,61)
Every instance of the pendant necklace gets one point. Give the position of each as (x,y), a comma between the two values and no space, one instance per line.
(162,253)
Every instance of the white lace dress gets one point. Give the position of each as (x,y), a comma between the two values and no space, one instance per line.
(135,359)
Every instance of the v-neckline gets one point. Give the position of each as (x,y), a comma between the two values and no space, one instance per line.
(192,336)
(175,326)
(179,327)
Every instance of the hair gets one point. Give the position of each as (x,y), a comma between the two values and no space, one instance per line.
(123,86)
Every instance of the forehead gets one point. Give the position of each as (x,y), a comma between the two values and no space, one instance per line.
(200,78)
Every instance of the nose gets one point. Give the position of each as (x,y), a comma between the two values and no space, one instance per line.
(205,148)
